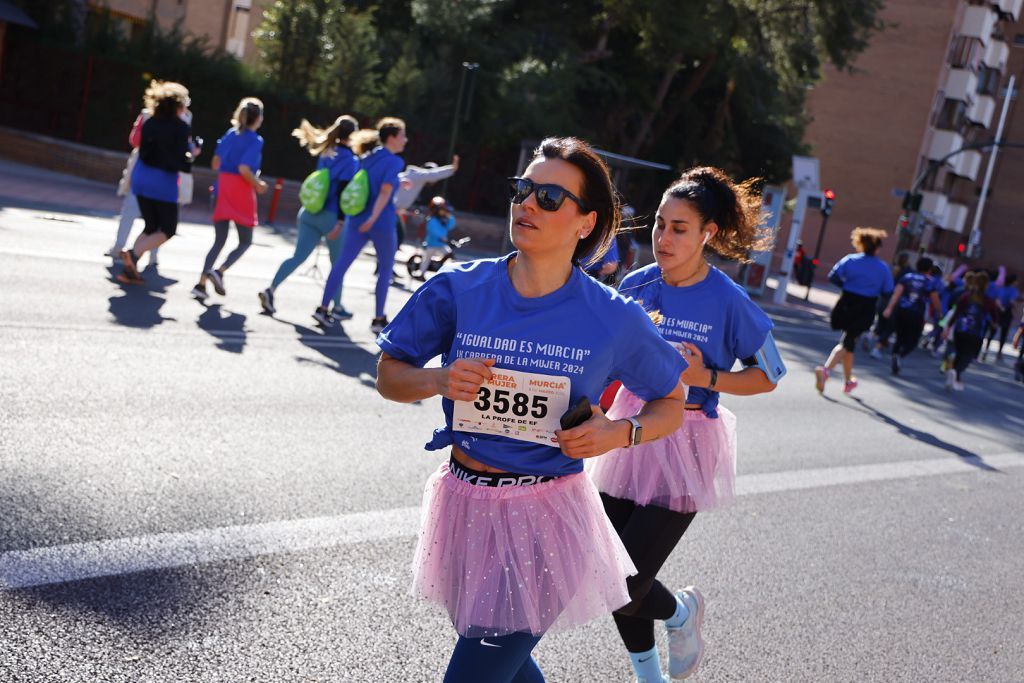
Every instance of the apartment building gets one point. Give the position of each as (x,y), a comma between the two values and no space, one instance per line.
(227,24)
(933,82)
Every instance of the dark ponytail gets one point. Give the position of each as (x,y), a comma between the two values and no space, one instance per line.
(249,111)
(734,208)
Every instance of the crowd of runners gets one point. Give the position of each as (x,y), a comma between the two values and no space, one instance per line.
(525,529)
(359,192)
(897,309)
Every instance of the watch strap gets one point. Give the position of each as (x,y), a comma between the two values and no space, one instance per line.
(635,431)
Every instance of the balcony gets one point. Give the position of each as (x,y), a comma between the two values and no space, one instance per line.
(944,142)
(1011,7)
(996,54)
(981,112)
(961,84)
(978,22)
(967,164)
(933,207)
(956,217)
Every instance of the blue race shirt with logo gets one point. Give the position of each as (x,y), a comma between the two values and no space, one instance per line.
(239,149)
(974,317)
(583,330)
(716,315)
(381,167)
(917,288)
(862,275)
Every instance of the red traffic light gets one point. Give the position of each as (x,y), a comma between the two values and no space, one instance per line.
(814,261)
(829,194)
(961,247)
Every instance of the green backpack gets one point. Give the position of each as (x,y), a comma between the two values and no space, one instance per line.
(313,193)
(354,196)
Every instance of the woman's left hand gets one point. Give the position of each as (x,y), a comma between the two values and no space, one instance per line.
(365,227)
(696,375)
(596,436)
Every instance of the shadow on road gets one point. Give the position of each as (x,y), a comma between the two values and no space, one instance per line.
(226,326)
(969,457)
(139,306)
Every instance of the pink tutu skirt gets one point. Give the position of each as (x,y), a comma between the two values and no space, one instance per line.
(691,469)
(534,559)
(236,200)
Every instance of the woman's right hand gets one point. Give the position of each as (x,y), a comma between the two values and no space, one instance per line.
(461,380)
(261,187)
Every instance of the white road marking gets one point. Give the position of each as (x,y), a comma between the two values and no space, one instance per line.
(95,559)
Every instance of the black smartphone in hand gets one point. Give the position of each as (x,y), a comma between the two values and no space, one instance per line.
(577,414)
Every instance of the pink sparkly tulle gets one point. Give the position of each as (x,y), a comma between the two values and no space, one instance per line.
(534,558)
(692,469)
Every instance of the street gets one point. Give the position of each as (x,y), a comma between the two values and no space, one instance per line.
(206,493)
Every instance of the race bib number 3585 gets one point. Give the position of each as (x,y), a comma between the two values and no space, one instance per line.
(515,404)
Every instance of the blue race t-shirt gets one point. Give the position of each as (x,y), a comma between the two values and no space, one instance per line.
(917,288)
(1006,295)
(381,167)
(974,317)
(584,331)
(716,315)
(610,256)
(341,166)
(239,149)
(862,275)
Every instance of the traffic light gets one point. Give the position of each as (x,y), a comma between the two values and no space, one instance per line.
(826,206)
(961,248)
(904,222)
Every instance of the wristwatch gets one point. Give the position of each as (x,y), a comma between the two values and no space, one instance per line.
(635,431)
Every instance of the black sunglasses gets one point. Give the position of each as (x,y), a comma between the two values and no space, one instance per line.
(550,197)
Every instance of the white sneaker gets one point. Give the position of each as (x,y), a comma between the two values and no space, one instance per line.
(958,386)
(685,645)
(950,379)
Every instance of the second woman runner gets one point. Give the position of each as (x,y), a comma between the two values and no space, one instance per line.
(652,492)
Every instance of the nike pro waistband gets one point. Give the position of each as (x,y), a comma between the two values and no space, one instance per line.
(493,478)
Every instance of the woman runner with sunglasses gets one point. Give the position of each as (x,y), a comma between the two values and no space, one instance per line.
(653,492)
(514,542)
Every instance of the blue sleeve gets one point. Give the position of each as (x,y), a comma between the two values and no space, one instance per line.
(888,286)
(223,145)
(252,156)
(395,167)
(645,363)
(749,326)
(425,327)
(838,273)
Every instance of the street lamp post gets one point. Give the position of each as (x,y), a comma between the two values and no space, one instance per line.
(467,67)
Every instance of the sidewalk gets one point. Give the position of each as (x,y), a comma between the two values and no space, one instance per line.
(26,186)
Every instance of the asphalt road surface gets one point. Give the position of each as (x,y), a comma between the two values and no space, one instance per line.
(205,493)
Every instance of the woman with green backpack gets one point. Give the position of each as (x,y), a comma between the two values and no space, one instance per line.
(367,201)
(320,216)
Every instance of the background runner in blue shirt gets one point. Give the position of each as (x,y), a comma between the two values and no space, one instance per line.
(514,541)
(907,308)
(863,277)
(330,147)
(376,222)
(652,492)
(972,316)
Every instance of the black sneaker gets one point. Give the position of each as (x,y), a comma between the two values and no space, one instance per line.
(217,279)
(339,313)
(378,324)
(199,292)
(895,364)
(323,317)
(267,301)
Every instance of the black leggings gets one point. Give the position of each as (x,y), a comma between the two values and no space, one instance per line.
(159,216)
(967,347)
(650,533)
(244,242)
(1002,327)
(909,326)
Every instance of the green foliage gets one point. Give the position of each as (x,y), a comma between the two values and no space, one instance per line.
(700,81)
